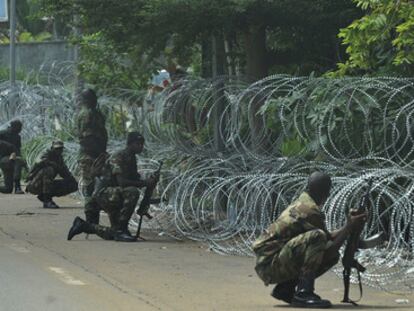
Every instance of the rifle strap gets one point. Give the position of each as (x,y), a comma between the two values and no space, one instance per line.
(360,285)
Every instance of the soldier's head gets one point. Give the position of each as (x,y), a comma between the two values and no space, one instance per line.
(16,126)
(319,186)
(88,98)
(57,146)
(135,142)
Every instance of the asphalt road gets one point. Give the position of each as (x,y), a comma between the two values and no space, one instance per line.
(41,271)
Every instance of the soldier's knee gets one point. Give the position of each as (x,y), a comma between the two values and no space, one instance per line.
(318,236)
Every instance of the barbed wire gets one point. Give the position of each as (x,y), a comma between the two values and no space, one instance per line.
(237,154)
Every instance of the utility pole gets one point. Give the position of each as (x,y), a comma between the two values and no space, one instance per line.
(12,43)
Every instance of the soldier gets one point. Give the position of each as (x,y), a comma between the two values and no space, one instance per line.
(7,159)
(12,169)
(41,179)
(117,193)
(297,248)
(93,139)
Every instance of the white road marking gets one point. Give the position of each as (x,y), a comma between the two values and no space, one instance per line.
(66,277)
(19,249)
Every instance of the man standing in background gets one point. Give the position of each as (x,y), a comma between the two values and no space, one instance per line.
(12,168)
(93,139)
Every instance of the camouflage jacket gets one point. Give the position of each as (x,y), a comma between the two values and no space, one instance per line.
(51,159)
(6,148)
(12,138)
(124,163)
(92,133)
(301,216)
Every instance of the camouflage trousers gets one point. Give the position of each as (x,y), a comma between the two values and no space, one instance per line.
(12,172)
(119,203)
(91,208)
(45,184)
(307,252)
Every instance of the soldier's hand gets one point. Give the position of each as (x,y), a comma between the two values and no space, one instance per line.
(356,221)
(156,175)
(13,156)
(151,181)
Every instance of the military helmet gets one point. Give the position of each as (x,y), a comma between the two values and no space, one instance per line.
(57,144)
(134,137)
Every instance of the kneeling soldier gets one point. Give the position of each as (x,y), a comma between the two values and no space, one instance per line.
(116,192)
(41,179)
(297,248)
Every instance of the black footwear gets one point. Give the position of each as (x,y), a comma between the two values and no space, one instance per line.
(309,300)
(18,188)
(305,296)
(50,204)
(40,198)
(285,291)
(122,236)
(78,226)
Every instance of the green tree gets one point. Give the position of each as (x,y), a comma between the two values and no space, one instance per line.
(382,41)
(297,36)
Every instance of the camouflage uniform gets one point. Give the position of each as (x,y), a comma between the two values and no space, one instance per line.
(7,166)
(41,179)
(295,243)
(12,169)
(93,140)
(118,202)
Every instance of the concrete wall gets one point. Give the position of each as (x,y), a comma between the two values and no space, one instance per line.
(32,55)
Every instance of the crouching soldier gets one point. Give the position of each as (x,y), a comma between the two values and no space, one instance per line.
(42,178)
(116,192)
(297,248)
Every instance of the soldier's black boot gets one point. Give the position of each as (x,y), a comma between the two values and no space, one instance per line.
(47,201)
(122,236)
(285,291)
(305,296)
(50,204)
(79,226)
(18,188)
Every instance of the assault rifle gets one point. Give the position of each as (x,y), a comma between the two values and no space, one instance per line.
(146,201)
(353,244)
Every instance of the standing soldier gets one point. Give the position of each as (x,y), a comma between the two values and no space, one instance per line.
(93,139)
(297,248)
(12,170)
(117,193)
(7,160)
(41,179)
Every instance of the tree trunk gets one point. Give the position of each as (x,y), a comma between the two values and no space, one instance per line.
(206,58)
(256,52)
(256,68)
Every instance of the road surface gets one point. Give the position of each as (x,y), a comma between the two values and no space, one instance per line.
(41,271)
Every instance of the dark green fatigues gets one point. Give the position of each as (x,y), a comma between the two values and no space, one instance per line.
(118,202)
(12,170)
(294,244)
(93,139)
(41,179)
(7,166)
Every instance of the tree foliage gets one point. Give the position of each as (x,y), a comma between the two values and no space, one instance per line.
(261,36)
(382,41)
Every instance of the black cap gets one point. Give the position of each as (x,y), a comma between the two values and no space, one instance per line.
(15,123)
(88,96)
(134,137)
